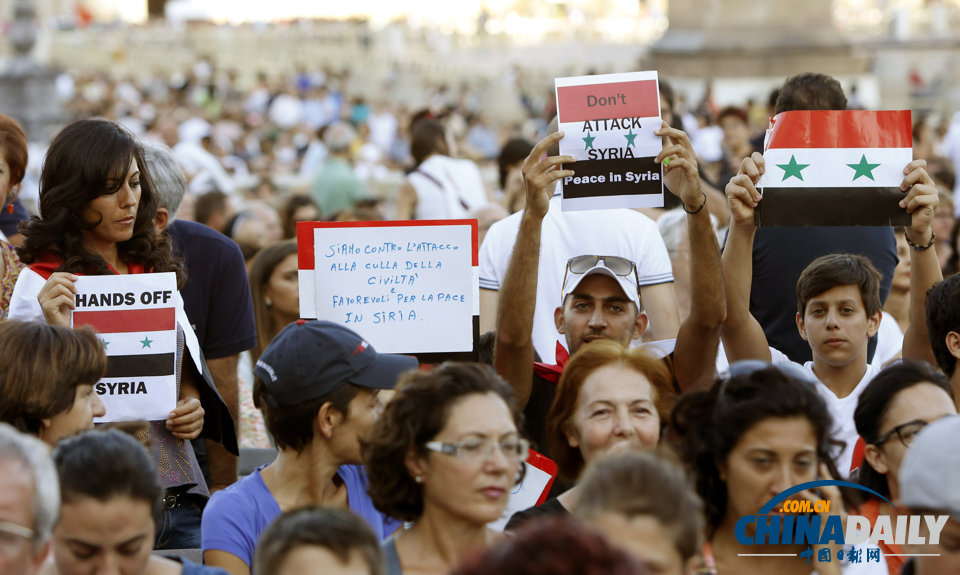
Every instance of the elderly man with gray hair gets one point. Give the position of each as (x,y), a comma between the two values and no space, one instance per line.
(29,502)
(336,188)
(216,296)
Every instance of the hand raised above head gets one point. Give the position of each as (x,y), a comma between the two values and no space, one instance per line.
(921,201)
(753,167)
(539,171)
(680,173)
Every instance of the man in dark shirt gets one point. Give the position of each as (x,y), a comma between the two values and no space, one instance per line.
(216,296)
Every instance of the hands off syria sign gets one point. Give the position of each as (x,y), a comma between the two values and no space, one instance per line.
(135,319)
(608,123)
(842,167)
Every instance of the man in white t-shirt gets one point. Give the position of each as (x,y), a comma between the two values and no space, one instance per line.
(838,299)
(621,232)
(600,296)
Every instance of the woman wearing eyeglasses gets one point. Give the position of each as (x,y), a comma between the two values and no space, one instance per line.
(444,456)
(610,398)
(751,436)
(899,402)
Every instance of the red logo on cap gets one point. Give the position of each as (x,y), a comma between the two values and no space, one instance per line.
(361,347)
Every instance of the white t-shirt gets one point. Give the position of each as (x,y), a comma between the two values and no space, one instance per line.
(841,410)
(617,232)
(889,340)
(447,188)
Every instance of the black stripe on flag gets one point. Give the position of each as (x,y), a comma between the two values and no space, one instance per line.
(140,365)
(611,169)
(831,207)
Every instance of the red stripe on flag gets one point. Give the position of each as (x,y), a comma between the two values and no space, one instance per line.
(842,129)
(127,320)
(640,99)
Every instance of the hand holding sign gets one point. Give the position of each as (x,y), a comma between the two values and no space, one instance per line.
(680,167)
(921,201)
(186,421)
(540,171)
(56,298)
(742,194)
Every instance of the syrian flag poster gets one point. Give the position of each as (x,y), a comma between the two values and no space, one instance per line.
(135,319)
(608,123)
(835,168)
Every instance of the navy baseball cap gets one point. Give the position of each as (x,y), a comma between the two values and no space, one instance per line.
(309,359)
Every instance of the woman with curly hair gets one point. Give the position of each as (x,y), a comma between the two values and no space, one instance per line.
(444,455)
(98,206)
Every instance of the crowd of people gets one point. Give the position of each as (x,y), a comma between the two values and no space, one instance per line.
(695,368)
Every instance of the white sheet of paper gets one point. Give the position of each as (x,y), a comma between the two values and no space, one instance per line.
(608,122)
(523,496)
(406,289)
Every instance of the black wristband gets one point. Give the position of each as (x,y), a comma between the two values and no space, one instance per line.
(696,211)
(919,248)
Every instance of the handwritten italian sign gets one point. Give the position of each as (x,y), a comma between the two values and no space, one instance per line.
(407,287)
(608,122)
(135,319)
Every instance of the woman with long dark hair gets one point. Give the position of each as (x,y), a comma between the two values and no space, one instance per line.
(751,436)
(98,206)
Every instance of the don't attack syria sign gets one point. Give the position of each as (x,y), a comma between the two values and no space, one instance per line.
(786,521)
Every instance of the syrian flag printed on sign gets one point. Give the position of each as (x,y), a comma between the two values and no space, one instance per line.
(135,319)
(835,168)
(608,123)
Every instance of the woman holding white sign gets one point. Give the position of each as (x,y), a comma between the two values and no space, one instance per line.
(98,207)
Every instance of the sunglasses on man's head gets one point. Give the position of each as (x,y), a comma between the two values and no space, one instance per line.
(582,264)
(619,266)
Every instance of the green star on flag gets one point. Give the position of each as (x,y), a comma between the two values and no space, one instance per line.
(863,168)
(630,136)
(104,342)
(588,142)
(792,169)
(145,342)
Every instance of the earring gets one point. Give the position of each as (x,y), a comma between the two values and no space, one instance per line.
(417,479)
(269,302)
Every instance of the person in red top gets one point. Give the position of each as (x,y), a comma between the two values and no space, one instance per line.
(98,205)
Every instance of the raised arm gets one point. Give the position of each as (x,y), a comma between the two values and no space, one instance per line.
(695,352)
(921,202)
(513,349)
(660,304)
(742,336)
